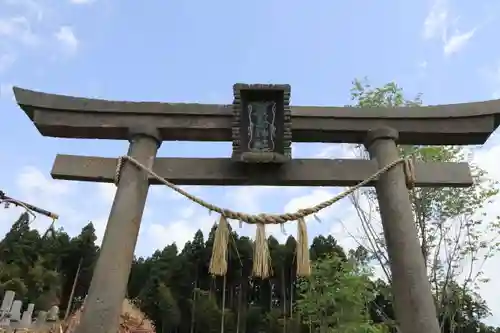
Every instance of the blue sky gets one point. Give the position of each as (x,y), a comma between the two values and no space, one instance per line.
(193,51)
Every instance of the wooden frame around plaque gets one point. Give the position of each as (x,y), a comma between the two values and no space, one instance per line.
(262,126)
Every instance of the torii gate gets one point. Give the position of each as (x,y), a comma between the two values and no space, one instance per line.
(147,124)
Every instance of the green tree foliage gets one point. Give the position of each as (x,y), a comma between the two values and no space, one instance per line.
(174,289)
(456,234)
(41,268)
(334,298)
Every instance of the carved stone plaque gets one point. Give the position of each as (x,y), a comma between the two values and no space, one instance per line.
(262,123)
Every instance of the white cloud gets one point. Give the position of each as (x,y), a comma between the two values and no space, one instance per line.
(31,7)
(31,27)
(66,199)
(178,232)
(18,29)
(487,159)
(335,151)
(81,2)
(457,42)
(107,192)
(249,198)
(32,180)
(187,212)
(348,230)
(67,39)
(160,234)
(330,216)
(437,26)
(436,21)
(9,213)
(36,189)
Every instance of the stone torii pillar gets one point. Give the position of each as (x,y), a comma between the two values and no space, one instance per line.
(111,273)
(413,301)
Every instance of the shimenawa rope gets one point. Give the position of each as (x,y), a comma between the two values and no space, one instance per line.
(218,263)
(31,212)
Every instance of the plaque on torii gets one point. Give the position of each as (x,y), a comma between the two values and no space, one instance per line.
(261,124)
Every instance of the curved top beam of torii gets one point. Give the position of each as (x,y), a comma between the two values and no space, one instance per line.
(74,117)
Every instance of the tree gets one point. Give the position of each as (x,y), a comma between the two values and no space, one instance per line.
(18,245)
(333,299)
(194,255)
(456,235)
(78,256)
(164,285)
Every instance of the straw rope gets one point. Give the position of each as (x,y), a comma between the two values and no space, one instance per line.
(271,218)
(261,258)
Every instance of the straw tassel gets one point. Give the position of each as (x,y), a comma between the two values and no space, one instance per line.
(303,262)
(261,254)
(218,262)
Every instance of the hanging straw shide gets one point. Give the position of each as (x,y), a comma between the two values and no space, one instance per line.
(218,262)
(303,262)
(261,256)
